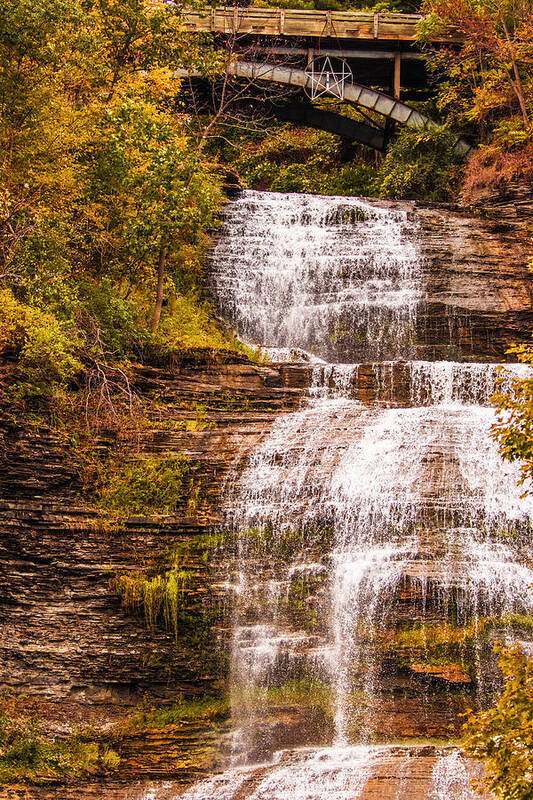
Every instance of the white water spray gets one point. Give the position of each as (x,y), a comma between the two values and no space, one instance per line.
(319,273)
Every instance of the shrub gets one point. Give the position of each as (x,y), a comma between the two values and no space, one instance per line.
(302,160)
(420,165)
(107,318)
(491,168)
(25,753)
(46,347)
(503,736)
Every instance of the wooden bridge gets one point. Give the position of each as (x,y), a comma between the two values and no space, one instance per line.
(389,27)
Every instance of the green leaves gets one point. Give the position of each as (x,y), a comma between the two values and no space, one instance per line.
(503,736)
(420,165)
(514,426)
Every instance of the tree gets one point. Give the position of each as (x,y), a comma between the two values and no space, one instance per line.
(503,736)
(490,73)
(514,427)
(97,170)
(148,194)
(104,194)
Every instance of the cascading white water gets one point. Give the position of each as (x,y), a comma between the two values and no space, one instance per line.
(374,477)
(428,382)
(452,779)
(322,274)
(348,509)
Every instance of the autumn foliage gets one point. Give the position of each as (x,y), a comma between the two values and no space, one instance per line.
(486,84)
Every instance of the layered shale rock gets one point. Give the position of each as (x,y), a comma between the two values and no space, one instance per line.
(65,637)
(479,291)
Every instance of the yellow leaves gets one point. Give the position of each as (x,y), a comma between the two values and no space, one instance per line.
(46,349)
(161,83)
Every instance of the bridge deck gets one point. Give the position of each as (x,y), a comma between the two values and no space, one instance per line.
(296,22)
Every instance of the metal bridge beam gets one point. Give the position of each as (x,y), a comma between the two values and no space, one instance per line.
(344,127)
(365,55)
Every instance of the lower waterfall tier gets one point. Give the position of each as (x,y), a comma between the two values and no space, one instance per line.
(347,773)
(380,553)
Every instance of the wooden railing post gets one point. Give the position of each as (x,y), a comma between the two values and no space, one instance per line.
(376,25)
(282,20)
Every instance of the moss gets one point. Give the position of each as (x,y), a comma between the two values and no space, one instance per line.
(200,547)
(285,542)
(28,755)
(200,421)
(150,485)
(523,621)
(432,636)
(161,597)
(302,692)
(299,692)
(428,636)
(298,600)
(228,401)
(207,709)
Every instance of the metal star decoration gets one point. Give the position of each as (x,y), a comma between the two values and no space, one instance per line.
(327,78)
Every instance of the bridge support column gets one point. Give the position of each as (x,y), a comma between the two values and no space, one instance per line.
(397,74)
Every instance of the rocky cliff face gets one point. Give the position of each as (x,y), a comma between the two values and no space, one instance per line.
(479,291)
(69,646)
(66,642)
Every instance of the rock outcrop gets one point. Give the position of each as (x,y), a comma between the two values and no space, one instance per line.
(66,642)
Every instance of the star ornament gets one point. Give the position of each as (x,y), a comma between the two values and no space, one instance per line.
(327,77)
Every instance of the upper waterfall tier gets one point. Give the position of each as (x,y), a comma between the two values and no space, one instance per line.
(335,276)
(353,280)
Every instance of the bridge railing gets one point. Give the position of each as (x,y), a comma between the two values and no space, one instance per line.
(297,22)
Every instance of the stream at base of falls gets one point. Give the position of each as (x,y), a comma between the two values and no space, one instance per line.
(380,546)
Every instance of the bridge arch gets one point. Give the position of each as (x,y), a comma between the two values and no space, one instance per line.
(345,127)
(355,93)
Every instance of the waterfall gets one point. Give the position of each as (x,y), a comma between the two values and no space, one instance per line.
(380,545)
(329,275)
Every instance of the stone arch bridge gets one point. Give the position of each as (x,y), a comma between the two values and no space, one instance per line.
(371,61)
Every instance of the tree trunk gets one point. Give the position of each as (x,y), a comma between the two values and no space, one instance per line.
(517,84)
(160,281)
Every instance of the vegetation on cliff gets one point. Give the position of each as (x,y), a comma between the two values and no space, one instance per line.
(105,202)
(161,597)
(502,736)
(27,754)
(514,427)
